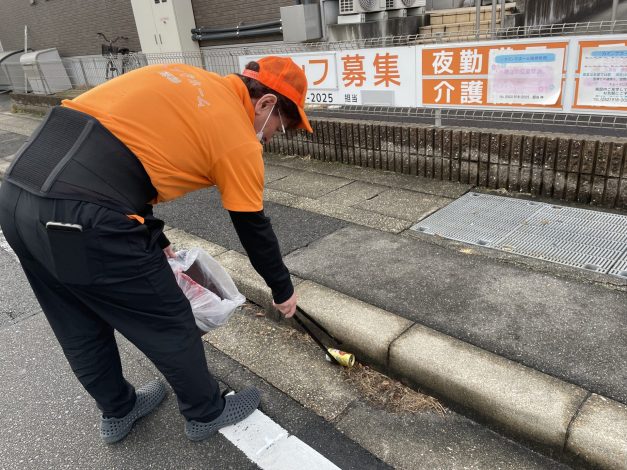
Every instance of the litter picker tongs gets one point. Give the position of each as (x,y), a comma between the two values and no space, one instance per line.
(342,358)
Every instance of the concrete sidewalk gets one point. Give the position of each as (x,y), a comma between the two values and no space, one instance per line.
(536,350)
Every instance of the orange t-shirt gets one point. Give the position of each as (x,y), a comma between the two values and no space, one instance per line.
(190,129)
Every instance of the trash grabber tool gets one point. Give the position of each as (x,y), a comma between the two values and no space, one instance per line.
(342,358)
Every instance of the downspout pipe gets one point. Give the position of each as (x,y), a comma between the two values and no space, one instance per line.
(244,27)
(237,34)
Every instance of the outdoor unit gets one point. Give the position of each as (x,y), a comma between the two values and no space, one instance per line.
(45,71)
(350,7)
(399,4)
(301,23)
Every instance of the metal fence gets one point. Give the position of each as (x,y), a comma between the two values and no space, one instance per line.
(88,71)
(520,120)
(84,72)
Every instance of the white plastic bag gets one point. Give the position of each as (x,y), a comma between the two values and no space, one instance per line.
(208,287)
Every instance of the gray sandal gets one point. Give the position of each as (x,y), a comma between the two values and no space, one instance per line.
(236,408)
(148,397)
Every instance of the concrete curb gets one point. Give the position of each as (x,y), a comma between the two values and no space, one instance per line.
(564,420)
(19,124)
(599,433)
(520,400)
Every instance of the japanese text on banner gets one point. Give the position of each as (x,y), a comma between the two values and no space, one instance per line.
(377,76)
(505,74)
(602,81)
(384,76)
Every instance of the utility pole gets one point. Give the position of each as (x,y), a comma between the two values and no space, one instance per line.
(502,14)
(478,17)
(25,51)
(493,20)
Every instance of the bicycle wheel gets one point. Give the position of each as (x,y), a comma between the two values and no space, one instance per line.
(129,63)
(111,69)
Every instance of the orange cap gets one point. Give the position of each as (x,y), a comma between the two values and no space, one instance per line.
(285,77)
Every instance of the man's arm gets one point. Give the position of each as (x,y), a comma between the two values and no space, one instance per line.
(257,236)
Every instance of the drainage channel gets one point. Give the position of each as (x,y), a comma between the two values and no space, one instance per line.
(582,238)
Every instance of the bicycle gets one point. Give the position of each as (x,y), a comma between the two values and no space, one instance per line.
(117,65)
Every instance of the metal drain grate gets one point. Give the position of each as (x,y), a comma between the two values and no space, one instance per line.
(574,237)
(481,219)
(620,267)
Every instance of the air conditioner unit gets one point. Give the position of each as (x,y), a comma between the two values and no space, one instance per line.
(399,4)
(349,7)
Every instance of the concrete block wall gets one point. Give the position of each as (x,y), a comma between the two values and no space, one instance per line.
(591,170)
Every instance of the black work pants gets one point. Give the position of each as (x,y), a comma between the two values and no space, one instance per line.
(110,276)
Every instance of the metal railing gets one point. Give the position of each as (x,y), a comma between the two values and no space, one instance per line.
(451,116)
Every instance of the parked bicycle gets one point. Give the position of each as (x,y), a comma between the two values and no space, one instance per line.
(119,59)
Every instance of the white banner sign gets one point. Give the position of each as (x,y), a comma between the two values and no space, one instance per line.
(383,76)
(557,74)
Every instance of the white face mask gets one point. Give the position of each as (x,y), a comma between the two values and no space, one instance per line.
(260,133)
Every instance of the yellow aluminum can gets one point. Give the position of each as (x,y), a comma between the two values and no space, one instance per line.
(344,358)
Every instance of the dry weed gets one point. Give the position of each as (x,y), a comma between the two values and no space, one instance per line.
(389,393)
(375,387)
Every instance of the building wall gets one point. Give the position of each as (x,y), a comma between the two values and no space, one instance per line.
(540,12)
(225,13)
(71,25)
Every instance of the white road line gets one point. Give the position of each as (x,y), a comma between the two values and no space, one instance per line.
(271,447)
(4,245)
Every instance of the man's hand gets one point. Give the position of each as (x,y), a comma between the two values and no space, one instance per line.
(169,252)
(287,308)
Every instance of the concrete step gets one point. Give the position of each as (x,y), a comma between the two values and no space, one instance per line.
(462,27)
(461,15)
(455,28)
